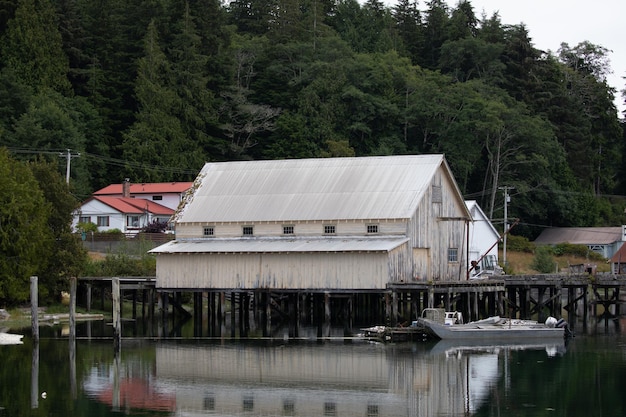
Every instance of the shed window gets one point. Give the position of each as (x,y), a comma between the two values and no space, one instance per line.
(84,219)
(453,255)
(372,228)
(103,221)
(287,230)
(436,194)
(248,230)
(329,229)
(208,231)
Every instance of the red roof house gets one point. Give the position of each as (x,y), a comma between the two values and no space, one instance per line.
(130,207)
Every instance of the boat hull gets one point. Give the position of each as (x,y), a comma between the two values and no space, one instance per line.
(473,331)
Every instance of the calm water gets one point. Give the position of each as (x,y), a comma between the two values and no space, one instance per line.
(338,377)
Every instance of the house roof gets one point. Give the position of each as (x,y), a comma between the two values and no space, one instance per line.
(281,245)
(580,235)
(134,205)
(387,187)
(147,188)
(620,255)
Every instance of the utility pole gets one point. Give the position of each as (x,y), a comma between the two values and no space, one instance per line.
(68,155)
(507,200)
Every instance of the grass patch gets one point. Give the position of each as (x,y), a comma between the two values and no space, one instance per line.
(520,263)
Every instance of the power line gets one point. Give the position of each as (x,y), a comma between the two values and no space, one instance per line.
(106,160)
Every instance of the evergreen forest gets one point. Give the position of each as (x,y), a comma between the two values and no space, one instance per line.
(152,89)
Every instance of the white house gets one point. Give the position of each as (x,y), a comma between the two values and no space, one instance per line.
(168,194)
(315,224)
(483,241)
(130,207)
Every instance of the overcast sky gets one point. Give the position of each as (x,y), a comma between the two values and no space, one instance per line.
(550,22)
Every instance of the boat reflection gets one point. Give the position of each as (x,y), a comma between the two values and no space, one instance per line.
(474,369)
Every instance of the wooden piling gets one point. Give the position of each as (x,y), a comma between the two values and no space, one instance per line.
(34,307)
(89,297)
(117,312)
(72,308)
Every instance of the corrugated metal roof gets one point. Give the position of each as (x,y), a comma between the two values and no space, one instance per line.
(580,235)
(387,187)
(281,245)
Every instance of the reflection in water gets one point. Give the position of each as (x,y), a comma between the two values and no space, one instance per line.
(307,379)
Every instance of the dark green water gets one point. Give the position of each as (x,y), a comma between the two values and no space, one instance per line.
(332,377)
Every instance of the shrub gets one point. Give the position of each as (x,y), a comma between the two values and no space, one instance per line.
(581,251)
(519,244)
(87,227)
(543,261)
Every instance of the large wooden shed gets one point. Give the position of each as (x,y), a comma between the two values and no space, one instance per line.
(329,224)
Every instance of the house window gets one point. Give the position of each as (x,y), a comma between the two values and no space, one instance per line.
(287,230)
(248,230)
(132,221)
(84,219)
(157,197)
(329,229)
(372,228)
(208,231)
(453,255)
(103,221)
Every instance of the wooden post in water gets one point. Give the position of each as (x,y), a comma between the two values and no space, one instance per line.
(431,296)
(394,308)
(327,313)
(34,307)
(72,308)
(233,313)
(88,298)
(117,312)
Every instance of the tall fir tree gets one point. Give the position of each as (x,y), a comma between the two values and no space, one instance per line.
(32,47)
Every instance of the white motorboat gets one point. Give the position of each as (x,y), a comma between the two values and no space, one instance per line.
(10,339)
(492,328)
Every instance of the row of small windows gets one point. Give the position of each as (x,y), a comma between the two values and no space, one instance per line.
(289,406)
(329,229)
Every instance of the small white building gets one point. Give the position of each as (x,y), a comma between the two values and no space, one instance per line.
(317,224)
(130,207)
(168,194)
(483,241)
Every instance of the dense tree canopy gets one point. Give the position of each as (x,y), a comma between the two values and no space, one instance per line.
(150,90)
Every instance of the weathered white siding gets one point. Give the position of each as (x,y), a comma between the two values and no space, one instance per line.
(439,224)
(312,271)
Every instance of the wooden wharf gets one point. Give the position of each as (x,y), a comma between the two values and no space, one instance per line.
(579,296)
